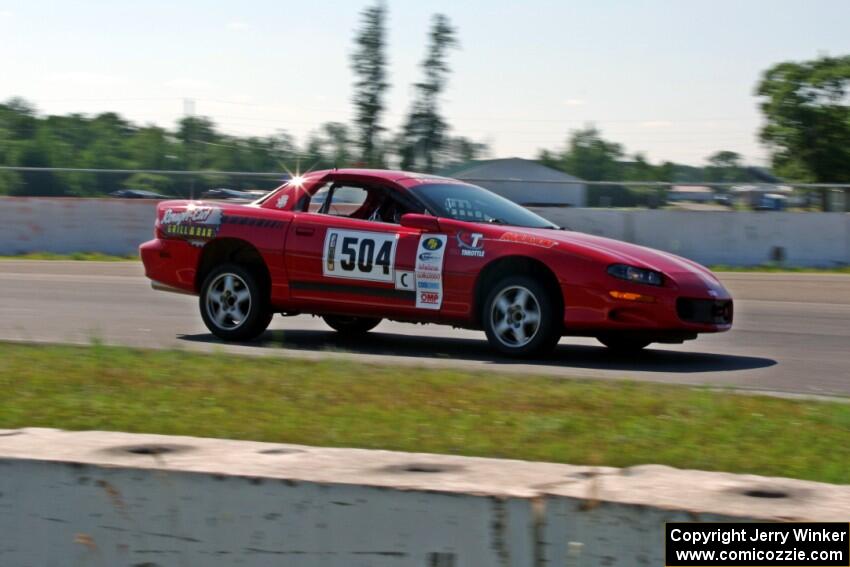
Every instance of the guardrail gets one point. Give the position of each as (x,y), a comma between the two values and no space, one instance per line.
(98,498)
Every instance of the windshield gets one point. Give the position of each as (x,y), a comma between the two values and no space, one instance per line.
(471,203)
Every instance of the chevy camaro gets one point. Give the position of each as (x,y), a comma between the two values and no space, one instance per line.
(356,246)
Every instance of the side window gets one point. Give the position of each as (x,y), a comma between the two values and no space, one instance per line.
(337,200)
(346,200)
(318,198)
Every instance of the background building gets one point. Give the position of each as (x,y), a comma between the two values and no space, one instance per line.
(523,181)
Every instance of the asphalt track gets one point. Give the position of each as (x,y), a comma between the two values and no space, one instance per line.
(791,333)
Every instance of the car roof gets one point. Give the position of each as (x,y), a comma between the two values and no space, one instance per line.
(385,174)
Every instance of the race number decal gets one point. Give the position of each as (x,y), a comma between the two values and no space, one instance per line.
(359,255)
(429,271)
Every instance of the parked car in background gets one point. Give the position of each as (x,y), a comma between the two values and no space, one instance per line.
(225,194)
(137,194)
(771,202)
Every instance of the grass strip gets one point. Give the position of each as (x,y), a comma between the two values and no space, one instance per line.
(408,409)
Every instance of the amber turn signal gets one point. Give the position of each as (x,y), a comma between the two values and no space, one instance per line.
(629,296)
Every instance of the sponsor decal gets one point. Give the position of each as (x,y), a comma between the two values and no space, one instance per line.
(462,209)
(470,244)
(281,203)
(429,271)
(359,255)
(195,224)
(425,275)
(432,243)
(429,299)
(405,280)
(331,251)
(523,238)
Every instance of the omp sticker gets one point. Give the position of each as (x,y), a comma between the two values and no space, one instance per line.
(405,280)
(359,255)
(429,271)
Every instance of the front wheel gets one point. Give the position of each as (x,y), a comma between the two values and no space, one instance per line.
(520,317)
(233,305)
(351,326)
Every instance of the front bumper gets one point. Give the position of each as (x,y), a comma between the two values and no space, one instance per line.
(170,264)
(685,308)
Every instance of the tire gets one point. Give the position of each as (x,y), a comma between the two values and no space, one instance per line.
(623,345)
(351,326)
(520,317)
(233,304)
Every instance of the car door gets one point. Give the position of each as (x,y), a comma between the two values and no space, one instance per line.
(338,261)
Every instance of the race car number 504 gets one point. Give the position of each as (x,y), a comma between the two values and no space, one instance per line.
(360,255)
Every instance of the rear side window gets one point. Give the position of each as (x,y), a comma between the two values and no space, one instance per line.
(337,200)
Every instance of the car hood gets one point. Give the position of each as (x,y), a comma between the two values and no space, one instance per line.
(611,251)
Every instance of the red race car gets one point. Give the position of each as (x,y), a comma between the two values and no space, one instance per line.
(357,246)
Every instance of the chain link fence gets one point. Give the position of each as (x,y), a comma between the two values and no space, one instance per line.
(141,183)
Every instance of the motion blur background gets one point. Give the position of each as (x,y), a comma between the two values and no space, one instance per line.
(725,104)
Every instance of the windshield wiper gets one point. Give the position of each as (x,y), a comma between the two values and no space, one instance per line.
(496,220)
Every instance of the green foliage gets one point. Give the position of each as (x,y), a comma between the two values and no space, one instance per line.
(108,141)
(368,61)
(149,182)
(725,166)
(808,118)
(348,404)
(424,135)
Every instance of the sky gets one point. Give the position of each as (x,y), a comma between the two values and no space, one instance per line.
(673,79)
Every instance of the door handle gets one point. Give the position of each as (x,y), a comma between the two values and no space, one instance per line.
(305,230)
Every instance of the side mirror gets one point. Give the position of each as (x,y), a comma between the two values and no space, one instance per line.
(426,223)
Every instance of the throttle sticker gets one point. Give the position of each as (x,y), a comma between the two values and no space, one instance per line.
(429,271)
(359,255)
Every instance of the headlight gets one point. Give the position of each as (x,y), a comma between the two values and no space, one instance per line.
(636,275)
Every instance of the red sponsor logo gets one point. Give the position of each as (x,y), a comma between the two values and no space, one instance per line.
(429,297)
(523,238)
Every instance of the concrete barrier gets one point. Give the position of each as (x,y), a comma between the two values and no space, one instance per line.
(118,226)
(63,226)
(97,498)
(715,237)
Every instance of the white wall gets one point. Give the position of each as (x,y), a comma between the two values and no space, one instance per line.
(111,226)
(86,498)
(714,237)
(118,226)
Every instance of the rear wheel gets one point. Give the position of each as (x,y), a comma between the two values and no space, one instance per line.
(351,326)
(233,305)
(624,345)
(519,317)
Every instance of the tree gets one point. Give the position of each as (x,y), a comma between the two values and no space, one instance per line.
(725,166)
(807,115)
(587,156)
(424,134)
(459,149)
(368,62)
